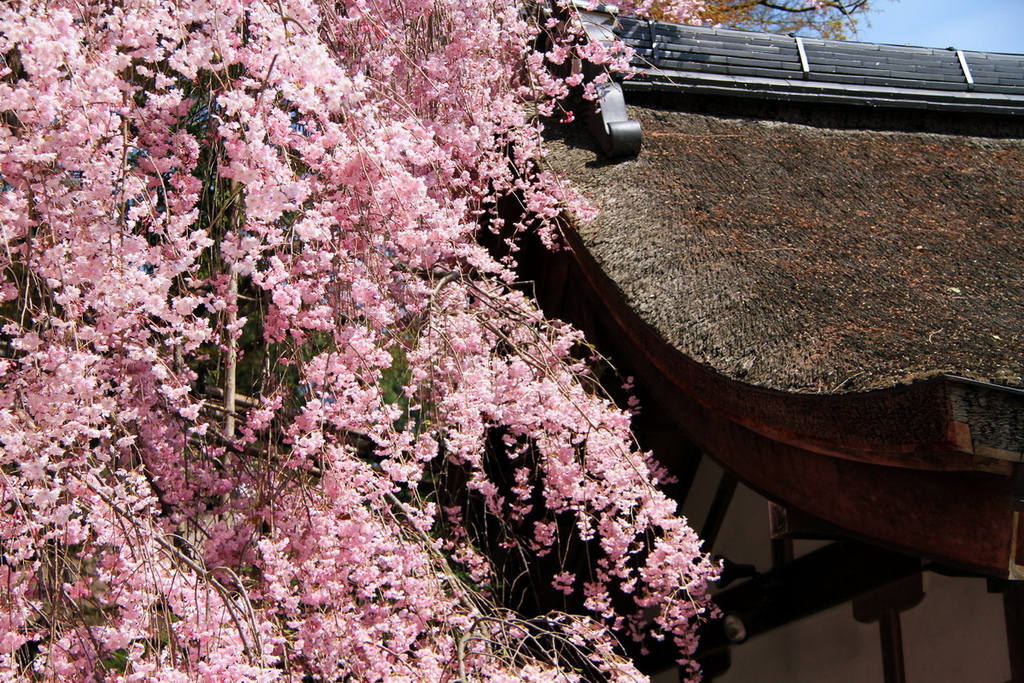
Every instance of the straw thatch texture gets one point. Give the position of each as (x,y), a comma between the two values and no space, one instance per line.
(814,259)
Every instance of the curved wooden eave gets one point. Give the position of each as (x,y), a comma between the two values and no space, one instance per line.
(920,468)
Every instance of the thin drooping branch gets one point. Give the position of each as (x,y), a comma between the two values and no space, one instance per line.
(268,409)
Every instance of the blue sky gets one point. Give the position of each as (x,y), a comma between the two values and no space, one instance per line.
(985,25)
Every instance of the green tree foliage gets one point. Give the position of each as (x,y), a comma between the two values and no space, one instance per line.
(825,18)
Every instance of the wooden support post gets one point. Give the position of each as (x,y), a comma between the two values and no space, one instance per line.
(717,511)
(689,457)
(884,605)
(891,636)
(782,551)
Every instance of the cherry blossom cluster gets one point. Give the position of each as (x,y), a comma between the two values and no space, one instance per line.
(263,395)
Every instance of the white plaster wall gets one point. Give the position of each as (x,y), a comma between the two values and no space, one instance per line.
(956,634)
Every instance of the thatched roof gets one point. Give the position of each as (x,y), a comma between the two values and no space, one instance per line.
(809,258)
(773,254)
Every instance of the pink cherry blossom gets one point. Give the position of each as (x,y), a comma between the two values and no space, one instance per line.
(260,383)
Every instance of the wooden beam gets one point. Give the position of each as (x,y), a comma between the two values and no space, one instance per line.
(821,579)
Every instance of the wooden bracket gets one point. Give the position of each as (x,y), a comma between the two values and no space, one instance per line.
(898,596)
(787,523)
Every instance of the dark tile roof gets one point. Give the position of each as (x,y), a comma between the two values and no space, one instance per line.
(724,61)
